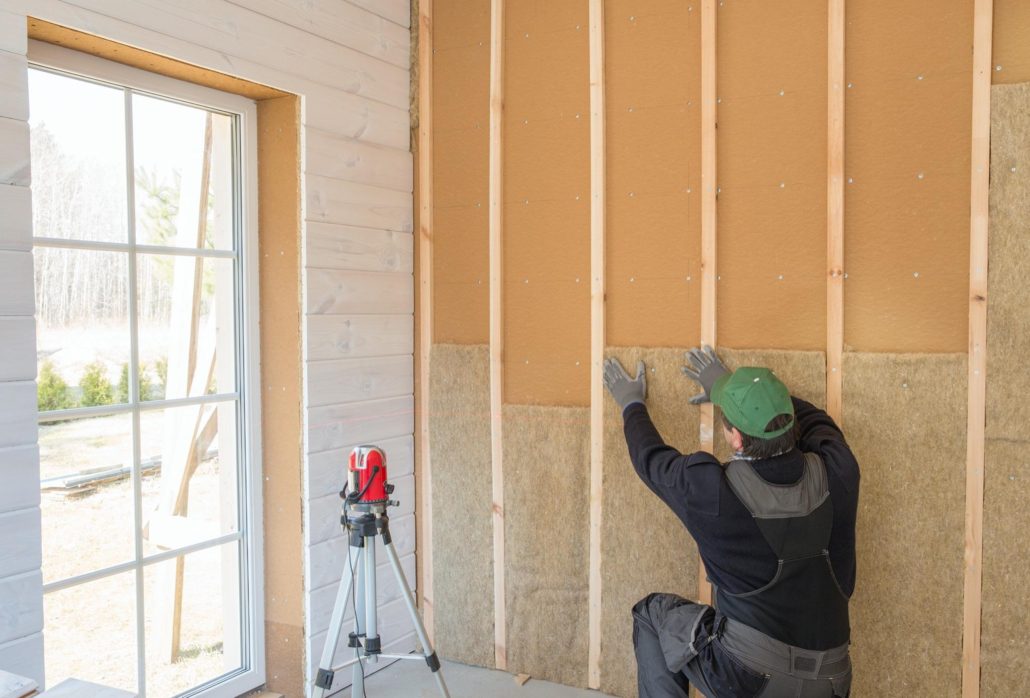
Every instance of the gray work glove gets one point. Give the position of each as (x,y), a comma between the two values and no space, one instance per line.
(704,367)
(624,389)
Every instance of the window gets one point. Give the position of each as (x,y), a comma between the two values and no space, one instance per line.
(144,221)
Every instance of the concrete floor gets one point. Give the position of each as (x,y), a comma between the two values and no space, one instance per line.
(412,679)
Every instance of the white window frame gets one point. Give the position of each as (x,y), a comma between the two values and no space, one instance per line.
(247,395)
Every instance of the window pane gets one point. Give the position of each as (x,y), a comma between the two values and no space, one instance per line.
(78,158)
(193,498)
(91,633)
(82,327)
(85,473)
(208,643)
(183,161)
(187,324)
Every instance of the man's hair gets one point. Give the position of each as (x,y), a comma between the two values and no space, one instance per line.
(757,448)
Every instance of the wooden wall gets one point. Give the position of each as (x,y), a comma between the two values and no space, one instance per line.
(21,601)
(908,179)
(352,293)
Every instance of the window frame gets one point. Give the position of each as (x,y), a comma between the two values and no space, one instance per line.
(250,537)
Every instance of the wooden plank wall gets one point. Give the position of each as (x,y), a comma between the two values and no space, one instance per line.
(350,62)
(21,581)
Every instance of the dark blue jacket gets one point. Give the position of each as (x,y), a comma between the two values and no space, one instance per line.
(735,554)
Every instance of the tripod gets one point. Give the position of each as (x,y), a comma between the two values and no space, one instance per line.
(364,522)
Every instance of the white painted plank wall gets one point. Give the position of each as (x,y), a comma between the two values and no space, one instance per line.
(14,86)
(365,249)
(21,580)
(349,61)
(14,144)
(351,336)
(398,11)
(353,293)
(239,32)
(332,110)
(16,221)
(325,569)
(341,23)
(323,599)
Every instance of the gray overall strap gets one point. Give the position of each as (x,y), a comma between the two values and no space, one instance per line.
(769,501)
(803,605)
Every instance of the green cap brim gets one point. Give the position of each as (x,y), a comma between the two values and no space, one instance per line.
(717,389)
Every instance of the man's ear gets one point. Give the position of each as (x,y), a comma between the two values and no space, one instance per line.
(738,439)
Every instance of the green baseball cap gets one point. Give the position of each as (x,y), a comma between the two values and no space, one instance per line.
(751,397)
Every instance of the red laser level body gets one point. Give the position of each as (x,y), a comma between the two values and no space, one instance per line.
(366,476)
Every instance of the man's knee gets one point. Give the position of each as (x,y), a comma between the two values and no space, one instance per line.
(652,608)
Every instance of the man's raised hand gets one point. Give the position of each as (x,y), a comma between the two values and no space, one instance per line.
(624,389)
(703,367)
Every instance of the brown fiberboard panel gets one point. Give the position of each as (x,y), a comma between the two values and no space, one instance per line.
(281,376)
(644,546)
(907,154)
(461,105)
(772,175)
(546,234)
(546,540)
(1005,619)
(905,419)
(459,436)
(1011,50)
(803,372)
(1008,342)
(653,141)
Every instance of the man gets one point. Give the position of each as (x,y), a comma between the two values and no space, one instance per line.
(776,531)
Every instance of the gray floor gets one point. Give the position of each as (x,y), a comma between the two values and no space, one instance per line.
(412,679)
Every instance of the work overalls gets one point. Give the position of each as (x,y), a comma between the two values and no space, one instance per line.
(751,644)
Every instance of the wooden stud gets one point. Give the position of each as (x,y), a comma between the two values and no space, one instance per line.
(597,334)
(835,208)
(708,228)
(425,301)
(977,412)
(496,323)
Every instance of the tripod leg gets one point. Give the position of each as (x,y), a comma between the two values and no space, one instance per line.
(431,659)
(371,622)
(324,677)
(358,672)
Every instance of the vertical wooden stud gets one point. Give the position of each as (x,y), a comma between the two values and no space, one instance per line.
(708,226)
(496,323)
(979,180)
(597,290)
(835,208)
(425,299)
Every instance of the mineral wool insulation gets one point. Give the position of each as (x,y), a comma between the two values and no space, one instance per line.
(644,547)
(904,416)
(463,572)
(547,540)
(1005,646)
(905,419)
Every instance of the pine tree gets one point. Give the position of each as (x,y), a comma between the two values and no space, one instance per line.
(51,390)
(96,388)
